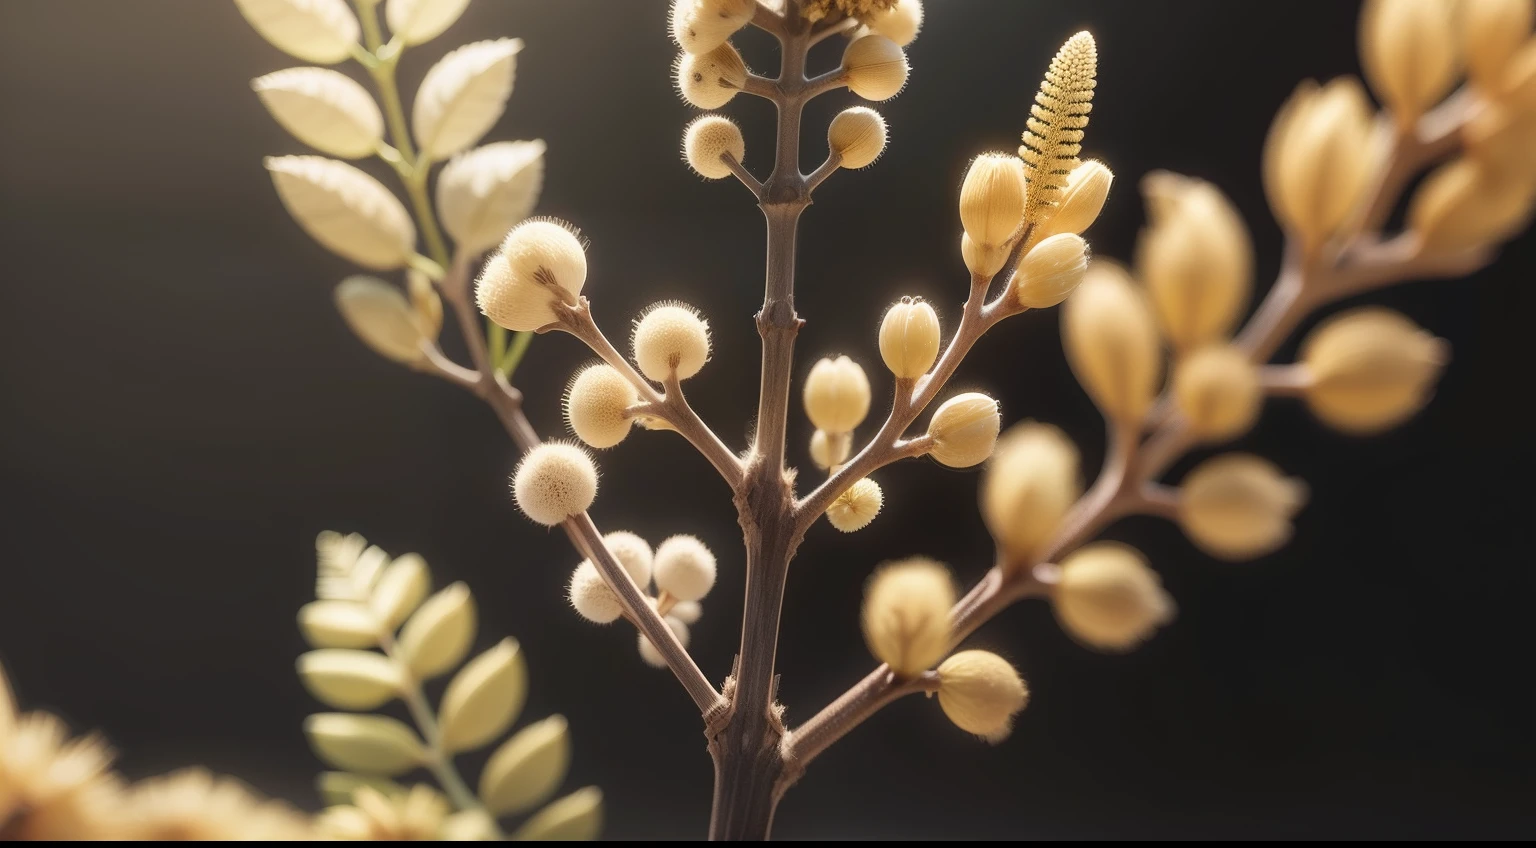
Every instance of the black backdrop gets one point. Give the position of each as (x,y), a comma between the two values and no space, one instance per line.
(183,410)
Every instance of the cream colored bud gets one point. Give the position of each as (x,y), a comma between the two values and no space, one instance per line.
(909,338)
(1520,78)
(591,596)
(900,23)
(1109,598)
(906,614)
(648,651)
(1217,389)
(875,67)
(699,26)
(684,567)
(1492,32)
(632,552)
(596,406)
(1239,506)
(1081,201)
(1501,138)
(836,395)
(981,693)
(540,262)
(1050,271)
(553,482)
(854,509)
(1370,369)
(1195,257)
(964,430)
(708,139)
(379,315)
(1111,342)
(670,337)
(709,81)
(1030,484)
(829,449)
(858,136)
(688,612)
(1464,206)
(982,260)
(1409,51)
(992,198)
(1319,158)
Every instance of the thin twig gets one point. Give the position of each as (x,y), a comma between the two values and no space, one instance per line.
(820,175)
(752,183)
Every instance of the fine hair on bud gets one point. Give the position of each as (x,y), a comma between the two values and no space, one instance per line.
(1109,598)
(837,395)
(708,139)
(909,338)
(540,262)
(964,430)
(1050,271)
(875,67)
(597,404)
(1081,200)
(670,336)
(1370,369)
(699,26)
(900,23)
(710,80)
(981,693)
(1031,483)
(857,135)
(684,568)
(854,509)
(1239,506)
(553,482)
(1195,258)
(1111,342)
(829,449)
(648,651)
(1318,158)
(1217,390)
(992,199)
(592,597)
(906,614)
(632,552)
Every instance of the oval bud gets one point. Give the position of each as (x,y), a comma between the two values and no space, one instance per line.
(1030,484)
(854,509)
(1081,201)
(670,337)
(379,315)
(829,449)
(688,612)
(836,395)
(909,338)
(440,634)
(858,136)
(484,698)
(632,552)
(1108,597)
(964,430)
(1111,342)
(591,596)
(1409,51)
(981,693)
(648,651)
(1464,206)
(710,80)
(684,568)
(707,140)
(1319,158)
(900,23)
(1217,390)
(906,614)
(597,406)
(1492,32)
(1050,271)
(1239,506)
(699,26)
(1370,369)
(875,67)
(1195,257)
(540,262)
(553,482)
(982,260)
(992,198)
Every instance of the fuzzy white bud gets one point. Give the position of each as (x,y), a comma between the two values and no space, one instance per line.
(684,567)
(592,597)
(518,287)
(965,429)
(708,139)
(648,651)
(855,508)
(553,482)
(710,80)
(981,693)
(900,23)
(632,552)
(836,395)
(670,336)
(858,136)
(596,406)
(909,338)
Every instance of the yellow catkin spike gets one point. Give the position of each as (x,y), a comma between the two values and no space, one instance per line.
(1056,123)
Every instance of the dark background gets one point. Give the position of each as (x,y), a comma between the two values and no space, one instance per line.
(183,411)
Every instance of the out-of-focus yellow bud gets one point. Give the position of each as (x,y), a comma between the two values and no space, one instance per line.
(858,136)
(855,508)
(1463,206)
(1050,271)
(1239,506)
(1195,257)
(1409,51)
(1319,158)
(1081,201)
(982,260)
(992,198)
(1492,32)
(836,395)
(1030,484)
(964,430)
(1370,369)
(1109,598)
(909,338)
(1502,140)
(906,614)
(981,693)
(1217,389)
(1111,342)
(875,67)
(829,449)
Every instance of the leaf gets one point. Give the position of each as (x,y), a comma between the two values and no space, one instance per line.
(321,31)
(463,96)
(345,210)
(338,624)
(379,314)
(350,680)
(367,744)
(337,787)
(468,826)
(426,302)
(484,697)
(578,817)
(440,633)
(527,769)
(324,109)
(401,589)
(415,21)
(349,567)
(486,192)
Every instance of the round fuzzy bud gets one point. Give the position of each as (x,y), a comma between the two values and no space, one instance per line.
(1464,205)
(707,139)
(829,449)
(1217,389)
(1030,484)
(653,657)
(699,26)
(858,136)
(906,614)
(1195,257)
(1239,506)
(1081,201)
(688,612)
(1409,51)
(684,568)
(1111,342)
(900,23)
(1370,369)
(596,404)
(670,336)
(1107,597)
(591,595)
(992,198)
(981,693)
(836,395)
(964,430)
(516,287)
(1050,271)
(909,338)
(1492,32)
(1319,157)
(554,482)
(632,552)
(875,67)
(709,81)
(982,260)
(855,508)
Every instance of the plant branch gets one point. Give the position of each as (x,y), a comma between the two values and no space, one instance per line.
(827,32)
(802,745)
(752,183)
